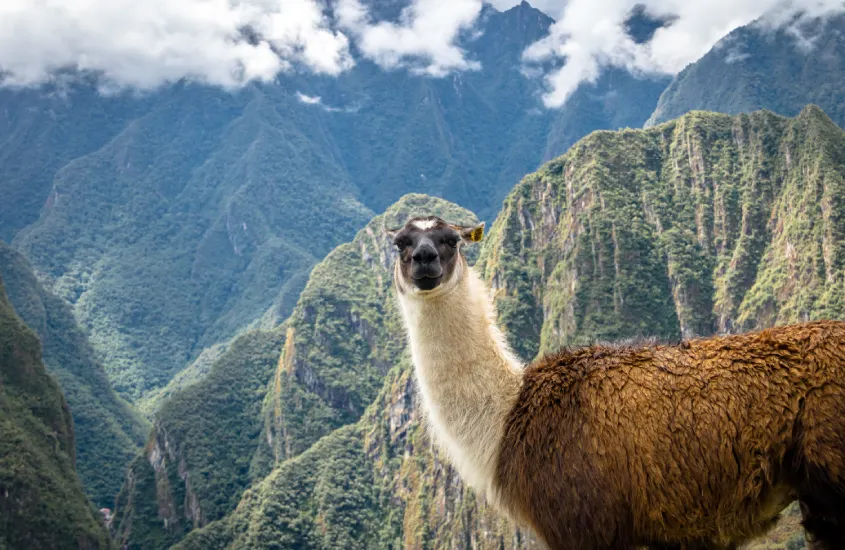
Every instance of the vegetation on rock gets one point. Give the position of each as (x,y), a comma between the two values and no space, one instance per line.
(707,223)
(42,504)
(198,459)
(374,484)
(109,432)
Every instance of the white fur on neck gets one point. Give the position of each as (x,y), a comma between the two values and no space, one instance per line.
(467,376)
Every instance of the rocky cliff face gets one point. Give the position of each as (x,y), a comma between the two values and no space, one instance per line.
(374,484)
(710,223)
(198,458)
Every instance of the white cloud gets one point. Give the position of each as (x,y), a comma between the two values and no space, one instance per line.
(589,35)
(309,99)
(424,39)
(144,43)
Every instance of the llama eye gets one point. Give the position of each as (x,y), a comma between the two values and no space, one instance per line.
(451,241)
(401,244)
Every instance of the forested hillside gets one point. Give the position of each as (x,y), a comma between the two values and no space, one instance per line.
(709,223)
(273,393)
(109,432)
(42,504)
(774,64)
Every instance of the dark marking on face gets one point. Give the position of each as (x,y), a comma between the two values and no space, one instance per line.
(429,249)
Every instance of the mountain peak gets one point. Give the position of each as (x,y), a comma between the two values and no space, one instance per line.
(524,8)
(728,78)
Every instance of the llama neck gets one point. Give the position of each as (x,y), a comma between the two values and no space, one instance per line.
(467,376)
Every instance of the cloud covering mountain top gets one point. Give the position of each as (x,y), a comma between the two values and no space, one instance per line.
(144,44)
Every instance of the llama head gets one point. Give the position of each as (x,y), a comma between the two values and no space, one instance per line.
(430,256)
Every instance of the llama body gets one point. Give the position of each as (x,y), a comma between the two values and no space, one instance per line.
(697,445)
(702,444)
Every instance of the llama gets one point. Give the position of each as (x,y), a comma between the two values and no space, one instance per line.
(699,445)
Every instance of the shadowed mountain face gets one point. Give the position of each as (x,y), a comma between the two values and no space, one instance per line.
(108,432)
(172,220)
(42,505)
(763,66)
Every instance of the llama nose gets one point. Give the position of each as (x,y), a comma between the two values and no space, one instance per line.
(424,254)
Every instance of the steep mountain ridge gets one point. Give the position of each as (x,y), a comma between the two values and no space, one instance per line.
(198,459)
(274,393)
(108,432)
(707,223)
(42,504)
(769,64)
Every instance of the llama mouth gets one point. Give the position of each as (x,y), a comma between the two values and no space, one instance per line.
(427,283)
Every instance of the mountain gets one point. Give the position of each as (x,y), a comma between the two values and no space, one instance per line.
(188,225)
(198,458)
(108,432)
(42,132)
(769,64)
(42,504)
(374,479)
(175,219)
(374,484)
(710,223)
(617,99)
(273,393)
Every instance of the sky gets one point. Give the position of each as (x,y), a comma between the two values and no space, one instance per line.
(144,44)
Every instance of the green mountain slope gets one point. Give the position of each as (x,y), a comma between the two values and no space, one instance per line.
(708,223)
(108,431)
(190,224)
(758,67)
(272,394)
(41,132)
(42,505)
(197,461)
(374,484)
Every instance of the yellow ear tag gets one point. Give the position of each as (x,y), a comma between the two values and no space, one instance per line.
(476,234)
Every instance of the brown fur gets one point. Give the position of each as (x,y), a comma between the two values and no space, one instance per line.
(697,445)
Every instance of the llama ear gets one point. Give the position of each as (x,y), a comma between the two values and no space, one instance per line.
(390,233)
(472,234)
